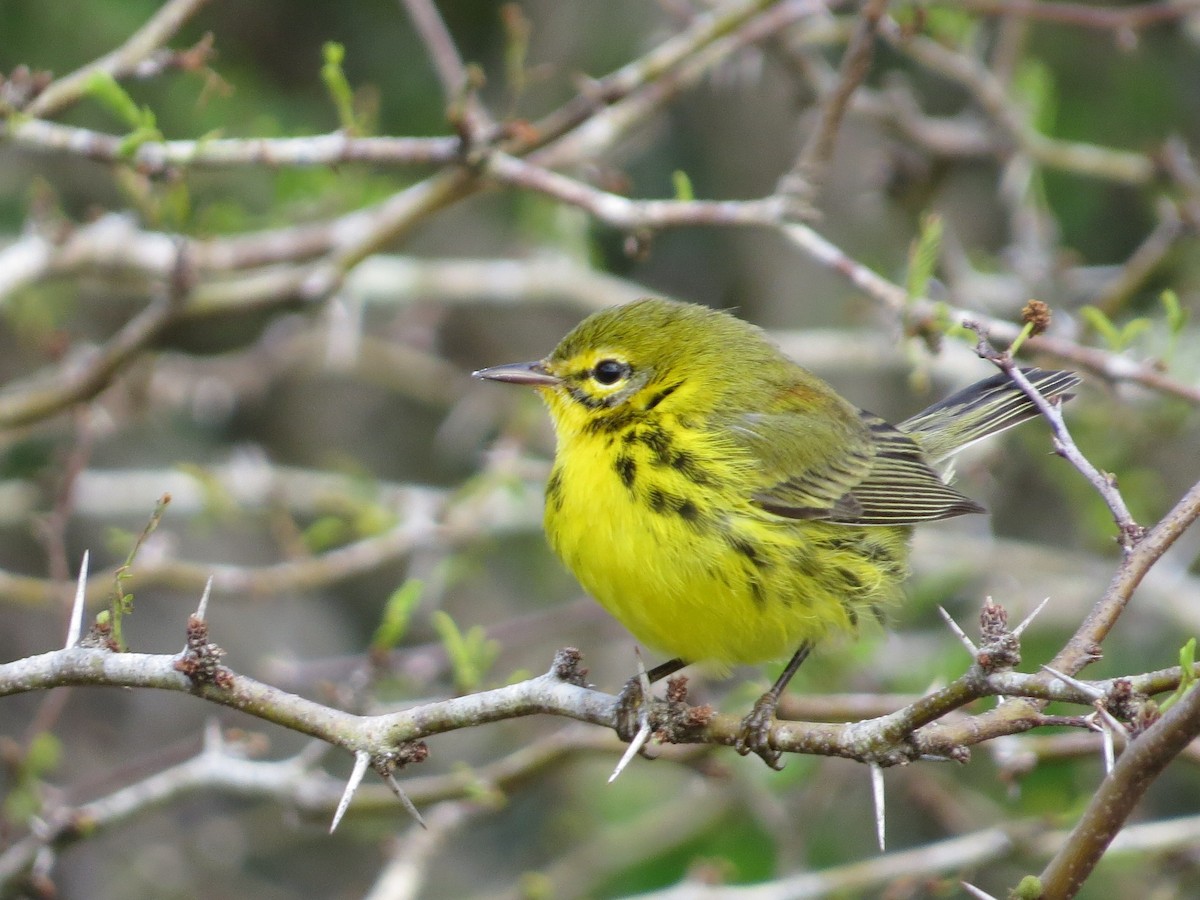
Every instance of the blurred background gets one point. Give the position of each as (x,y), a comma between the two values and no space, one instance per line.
(287,431)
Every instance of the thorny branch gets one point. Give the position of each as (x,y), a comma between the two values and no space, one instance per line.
(188,278)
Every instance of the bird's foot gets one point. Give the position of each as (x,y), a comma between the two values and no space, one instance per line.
(755,734)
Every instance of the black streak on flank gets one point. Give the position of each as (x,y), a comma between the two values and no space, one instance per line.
(685,464)
(554,490)
(747,550)
(663,502)
(626,468)
(756,592)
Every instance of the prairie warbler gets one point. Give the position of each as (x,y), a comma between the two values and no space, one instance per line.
(727,505)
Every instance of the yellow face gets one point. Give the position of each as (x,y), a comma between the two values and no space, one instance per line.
(599,389)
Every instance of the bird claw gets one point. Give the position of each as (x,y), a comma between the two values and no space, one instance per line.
(755,733)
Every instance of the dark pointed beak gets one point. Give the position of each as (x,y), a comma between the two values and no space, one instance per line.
(533,374)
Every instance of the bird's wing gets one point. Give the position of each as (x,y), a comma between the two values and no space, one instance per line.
(839,464)
(807,464)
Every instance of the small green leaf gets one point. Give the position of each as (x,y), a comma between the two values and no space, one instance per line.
(683,186)
(121,603)
(1030,888)
(397,613)
(108,92)
(923,257)
(1177,316)
(338,86)
(1117,337)
(142,135)
(471,654)
(1132,330)
(1187,675)
(1099,321)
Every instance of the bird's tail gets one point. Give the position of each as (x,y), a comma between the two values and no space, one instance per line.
(983,409)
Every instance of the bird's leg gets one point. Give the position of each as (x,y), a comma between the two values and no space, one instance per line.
(631,699)
(755,736)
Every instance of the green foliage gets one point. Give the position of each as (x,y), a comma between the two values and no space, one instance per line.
(1117,337)
(105,89)
(1176,320)
(1030,888)
(397,613)
(683,185)
(1177,316)
(1187,666)
(471,653)
(121,603)
(923,255)
(338,86)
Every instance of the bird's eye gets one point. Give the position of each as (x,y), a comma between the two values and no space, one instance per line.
(610,371)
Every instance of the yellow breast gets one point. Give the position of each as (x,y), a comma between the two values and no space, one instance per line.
(655,520)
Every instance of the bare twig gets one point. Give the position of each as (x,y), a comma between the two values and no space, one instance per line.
(808,170)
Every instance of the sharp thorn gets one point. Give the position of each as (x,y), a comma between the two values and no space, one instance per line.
(75,627)
(877,794)
(1092,692)
(639,741)
(202,609)
(362,759)
(958,632)
(408,804)
(1029,618)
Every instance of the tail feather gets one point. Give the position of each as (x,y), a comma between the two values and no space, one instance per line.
(985,408)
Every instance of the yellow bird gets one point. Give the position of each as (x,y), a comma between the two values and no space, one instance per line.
(727,505)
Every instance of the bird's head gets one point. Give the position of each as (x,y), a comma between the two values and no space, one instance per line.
(623,363)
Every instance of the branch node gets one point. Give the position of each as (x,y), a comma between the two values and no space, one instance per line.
(566,667)
(200,659)
(1000,649)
